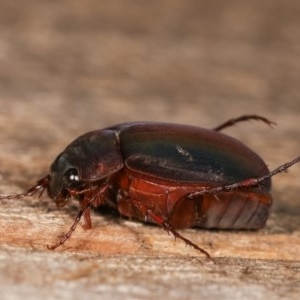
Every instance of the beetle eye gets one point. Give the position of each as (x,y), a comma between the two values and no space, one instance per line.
(71,177)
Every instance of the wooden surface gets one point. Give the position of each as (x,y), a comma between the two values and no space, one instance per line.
(70,67)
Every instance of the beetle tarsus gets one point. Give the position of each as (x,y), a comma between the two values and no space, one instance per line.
(159,220)
(40,186)
(72,228)
(86,204)
(169,228)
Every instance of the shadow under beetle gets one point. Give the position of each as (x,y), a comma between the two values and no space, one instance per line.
(176,176)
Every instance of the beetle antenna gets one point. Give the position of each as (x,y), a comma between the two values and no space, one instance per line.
(40,186)
(244,118)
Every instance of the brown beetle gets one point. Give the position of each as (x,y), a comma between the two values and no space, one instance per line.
(176,176)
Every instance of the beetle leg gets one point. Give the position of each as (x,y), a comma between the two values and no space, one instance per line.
(169,228)
(251,182)
(40,186)
(160,220)
(72,228)
(87,219)
(86,204)
(183,213)
(234,121)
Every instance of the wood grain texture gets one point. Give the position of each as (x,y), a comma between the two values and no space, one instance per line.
(69,67)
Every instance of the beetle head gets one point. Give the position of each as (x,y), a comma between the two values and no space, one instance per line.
(84,165)
(64,177)
(86,162)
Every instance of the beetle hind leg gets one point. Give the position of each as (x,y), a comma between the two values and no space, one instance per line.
(169,228)
(165,224)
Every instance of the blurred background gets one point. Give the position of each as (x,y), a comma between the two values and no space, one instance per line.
(67,67)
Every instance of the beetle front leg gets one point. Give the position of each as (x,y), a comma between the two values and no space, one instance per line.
(91,198)
(72,228)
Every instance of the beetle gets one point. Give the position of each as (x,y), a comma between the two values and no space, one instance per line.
(175,176)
